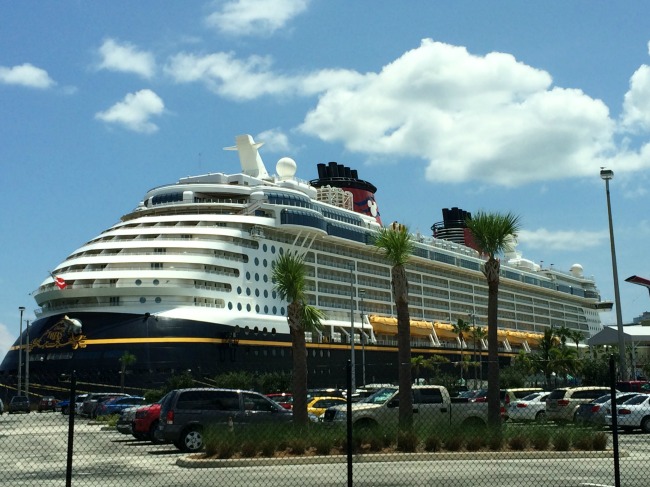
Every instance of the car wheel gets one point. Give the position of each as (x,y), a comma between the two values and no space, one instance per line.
(192,440)
(645,425)
(540,417)
(65,410)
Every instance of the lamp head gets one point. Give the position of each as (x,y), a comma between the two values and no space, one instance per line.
(21,308)
(606,174)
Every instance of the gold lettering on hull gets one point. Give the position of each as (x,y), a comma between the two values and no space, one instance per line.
(58,336)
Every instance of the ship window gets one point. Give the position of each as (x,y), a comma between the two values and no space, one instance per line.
(265,263)
(114,300)
(238,306)
(156,282)
(248,291)
(238,289)
(266,278)
(138,282)
(266,308)
(264,247)
(273,249)
(257,261)
(257,308)
(156,265)
(143,300)
(248,307)
(275,310)
(257,293)
(257,276)
(266,293)
(248,276)
(157,300)
(229,305)
(282,311)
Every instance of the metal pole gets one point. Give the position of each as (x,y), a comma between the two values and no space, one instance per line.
(350,446)
(362,293)
(614,406)
(27,363)
(607,174)
(352,385)
(71,414)
(20,352)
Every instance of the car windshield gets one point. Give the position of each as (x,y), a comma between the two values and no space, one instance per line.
(532,396)
(381,396)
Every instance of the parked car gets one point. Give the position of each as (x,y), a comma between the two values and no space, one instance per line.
(284,399)
(593,413)
(145,424)
(186,412)
(318,405)
(530,408)
(115,405)
(91,402)
(47,403)
(19,404)
(633,414)
(562,404)
(125,422)
(64,405)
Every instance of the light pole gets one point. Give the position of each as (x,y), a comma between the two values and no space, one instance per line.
(362,293)
(20,352)
(353,387)
(606,175)
(27,362)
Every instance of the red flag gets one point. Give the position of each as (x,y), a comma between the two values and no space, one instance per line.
(59,281)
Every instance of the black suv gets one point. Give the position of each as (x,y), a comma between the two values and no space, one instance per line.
(184,413)
(19,404)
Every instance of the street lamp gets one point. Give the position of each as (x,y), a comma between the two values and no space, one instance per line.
(606,175)
(353,384)
(20,352)
(27,361)
(362,293)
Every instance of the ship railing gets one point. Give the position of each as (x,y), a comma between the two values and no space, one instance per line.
(124,304)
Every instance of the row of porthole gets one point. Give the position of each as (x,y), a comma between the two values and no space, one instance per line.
(257,292)
(138,282)
(144,300)
(313,352)
(265,278)
(240,307)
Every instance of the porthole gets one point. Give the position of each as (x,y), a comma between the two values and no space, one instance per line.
(273,331)
(257,277)
(248,276)
(264,247)
(257,261)
(266,308)
(229,305)
(282,311)
(281,251)
(274,294)
(238,306)
(238,289)
(138,282)
(256,330)
(266,278)
(156,282)
(257,308)
(266,293)
(157,300)
(257,293)
(248,307)
(273,249)
(143,300)
(265,263)
(248,291)
(275,310)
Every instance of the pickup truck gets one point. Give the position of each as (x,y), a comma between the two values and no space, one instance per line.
(432,407)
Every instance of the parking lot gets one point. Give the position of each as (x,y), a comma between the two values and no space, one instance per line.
(34,450)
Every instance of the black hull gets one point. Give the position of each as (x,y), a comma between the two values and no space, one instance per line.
(165,347)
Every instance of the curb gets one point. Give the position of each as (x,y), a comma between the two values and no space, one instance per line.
(194,462)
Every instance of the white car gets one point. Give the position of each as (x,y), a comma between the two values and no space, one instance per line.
(530,408)
(633,414)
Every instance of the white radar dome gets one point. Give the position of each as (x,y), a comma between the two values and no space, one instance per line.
(576,270)
(286,168)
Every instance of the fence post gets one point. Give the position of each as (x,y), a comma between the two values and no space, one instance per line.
(348,374)
(71,415)
(612,384)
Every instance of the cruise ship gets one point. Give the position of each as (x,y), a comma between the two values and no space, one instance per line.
(183,283)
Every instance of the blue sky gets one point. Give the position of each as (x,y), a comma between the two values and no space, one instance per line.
(497,106)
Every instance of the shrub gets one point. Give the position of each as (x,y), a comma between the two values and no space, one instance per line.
(297,446)
(540,439)
(453,443)
(518,442)
(268,447)
(249,449)
(407,441)
(474,443)
(584,441)
(562,441)
(600,441)
(432,443)
(495,440)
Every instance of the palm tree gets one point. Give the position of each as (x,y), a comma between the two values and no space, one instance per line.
(492,233)
(126,360)
(577,336)
(397,246)
(563,333)
(418,362)
(461,328)
(288,273)
(478,334)
(543,356)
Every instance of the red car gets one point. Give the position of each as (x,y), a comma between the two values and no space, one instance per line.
(47,403)
(146,422)
(284,399)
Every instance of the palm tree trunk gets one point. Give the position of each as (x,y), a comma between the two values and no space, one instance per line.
(491,271)
(400,288)
(299,350)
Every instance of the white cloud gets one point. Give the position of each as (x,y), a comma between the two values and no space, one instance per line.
(275,141)
(255,17)
(7,339)
(561,240)
(135,111)
(488,118)
(253,77)
(636,104)
(26,75)
(126,58)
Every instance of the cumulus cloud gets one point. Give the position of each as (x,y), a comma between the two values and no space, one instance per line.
(253,77)
(275,140)
(26,75)
(255,17)
(561,240)
(636,104)
(7,339)
(134,111)
(126,58)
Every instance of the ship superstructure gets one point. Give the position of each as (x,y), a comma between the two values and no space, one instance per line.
(184,282)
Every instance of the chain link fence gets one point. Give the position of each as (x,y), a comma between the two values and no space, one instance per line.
(198,436)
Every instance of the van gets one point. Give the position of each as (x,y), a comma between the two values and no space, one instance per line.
(562,404)
(185,413)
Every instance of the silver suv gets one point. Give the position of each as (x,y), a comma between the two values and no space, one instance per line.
(184,413)
(562,404)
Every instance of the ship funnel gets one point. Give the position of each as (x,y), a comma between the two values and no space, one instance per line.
(249,156)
